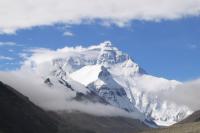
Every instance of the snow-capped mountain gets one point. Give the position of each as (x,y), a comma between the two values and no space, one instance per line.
(112,76)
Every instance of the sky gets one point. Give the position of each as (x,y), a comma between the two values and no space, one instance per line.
(162,37)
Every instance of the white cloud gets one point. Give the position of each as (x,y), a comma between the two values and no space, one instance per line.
(40,55)
(20,14)
(7,44)
(6,58)
(187,94)
(68,33)
(58,99)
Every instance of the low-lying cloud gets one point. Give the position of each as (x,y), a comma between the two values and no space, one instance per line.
(22,14)
(57,99)
(186,94)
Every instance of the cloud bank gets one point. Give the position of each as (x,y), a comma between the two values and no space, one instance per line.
(186,94)
(21,14)
(180,93)
(57,99)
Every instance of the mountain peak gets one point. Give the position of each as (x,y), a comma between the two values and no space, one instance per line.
(106,44)
(110,55)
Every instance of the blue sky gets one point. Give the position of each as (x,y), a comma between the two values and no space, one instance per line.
(169,49)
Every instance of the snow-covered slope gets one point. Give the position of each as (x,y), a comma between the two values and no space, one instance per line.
(115,77)
(148,93)
(100,81)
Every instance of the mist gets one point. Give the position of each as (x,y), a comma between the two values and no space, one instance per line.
(57,99)
(187,94)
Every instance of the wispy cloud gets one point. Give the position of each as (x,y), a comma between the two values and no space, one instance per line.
(11,50)
(120,12)
(8,43)
(68,33)
(5,58)
(193,46)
